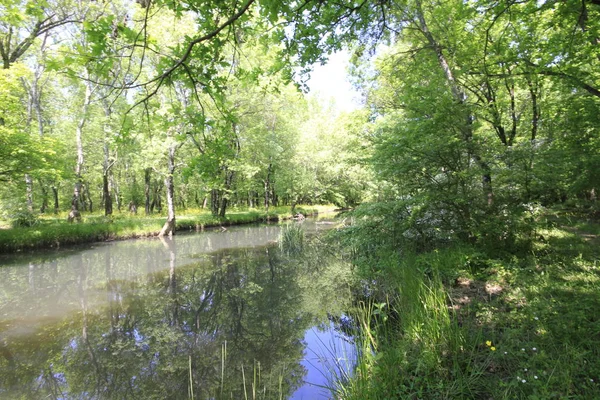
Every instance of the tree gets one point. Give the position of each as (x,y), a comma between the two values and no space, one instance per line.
(23,22)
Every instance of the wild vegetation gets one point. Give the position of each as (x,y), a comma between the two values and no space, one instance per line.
(473,162)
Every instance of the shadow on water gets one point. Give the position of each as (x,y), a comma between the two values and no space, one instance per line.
(212,315)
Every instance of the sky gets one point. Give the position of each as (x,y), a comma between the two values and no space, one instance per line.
(331,81)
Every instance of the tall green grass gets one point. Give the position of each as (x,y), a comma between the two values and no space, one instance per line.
(409,344)
(291,239)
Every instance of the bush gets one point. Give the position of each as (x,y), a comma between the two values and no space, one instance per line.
(24,219)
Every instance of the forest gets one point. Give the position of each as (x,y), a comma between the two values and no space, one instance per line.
(469,175)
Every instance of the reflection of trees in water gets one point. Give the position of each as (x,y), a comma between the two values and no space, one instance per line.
(141,344)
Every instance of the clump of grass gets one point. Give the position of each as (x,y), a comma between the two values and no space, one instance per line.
(24,218)
(409,344)
(291,239)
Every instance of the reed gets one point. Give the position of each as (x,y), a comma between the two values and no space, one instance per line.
(291,239)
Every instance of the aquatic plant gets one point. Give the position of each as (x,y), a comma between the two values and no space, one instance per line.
(291,238)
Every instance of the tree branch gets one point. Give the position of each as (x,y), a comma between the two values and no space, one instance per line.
(188,51)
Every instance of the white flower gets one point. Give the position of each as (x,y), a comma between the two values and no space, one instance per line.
(525,369)
(522,349)
(535,377)
(524,381)
(534,349)
(536,318)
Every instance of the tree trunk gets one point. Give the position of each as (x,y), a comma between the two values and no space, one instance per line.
(156,198)
(114,185)
(169,226)
(88,198)
(147,190)
(274,197)
(55,194)
(107,163)
(267,186)
(224,203)
(460,97)
(29,183)
(106,195)
(108,209)
(34,103)
(225,193)
(44,190)
(77,192)
(214,202)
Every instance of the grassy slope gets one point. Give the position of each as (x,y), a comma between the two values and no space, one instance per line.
(472,326)
(53,232)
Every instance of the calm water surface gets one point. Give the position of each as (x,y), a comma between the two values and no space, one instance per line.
(207,315)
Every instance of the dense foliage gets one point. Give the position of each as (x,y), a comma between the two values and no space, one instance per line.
(122,106)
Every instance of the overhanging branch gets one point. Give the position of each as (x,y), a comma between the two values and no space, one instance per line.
(188,51)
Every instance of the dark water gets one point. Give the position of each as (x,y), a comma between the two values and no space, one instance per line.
(209,315)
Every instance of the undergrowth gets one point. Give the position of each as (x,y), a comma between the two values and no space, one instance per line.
(463,323)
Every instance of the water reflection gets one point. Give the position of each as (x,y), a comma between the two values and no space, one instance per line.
(202,316)
(329,356)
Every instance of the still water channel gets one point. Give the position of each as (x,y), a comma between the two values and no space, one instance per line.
(218,314)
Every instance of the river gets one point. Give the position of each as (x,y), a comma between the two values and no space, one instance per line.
(216,314)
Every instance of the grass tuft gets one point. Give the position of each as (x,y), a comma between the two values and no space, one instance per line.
(291,239)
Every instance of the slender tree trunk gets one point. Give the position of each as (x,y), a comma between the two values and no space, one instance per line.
(169,226)
(106,194)
(460,98)
(29,184)
(107,163)
(223,209)
(34,104)
(534,91)
(229,175)
(225,195)
(267,186)
(147,172)
(88,197)
(274,197)
(55,195)
(156,197)
(108,209)
(214,202)
(44,190)
(77,192)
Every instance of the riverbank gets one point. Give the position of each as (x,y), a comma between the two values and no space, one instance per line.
(460,323)
(51,232)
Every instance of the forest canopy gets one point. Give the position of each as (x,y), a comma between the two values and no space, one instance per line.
(471,109)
